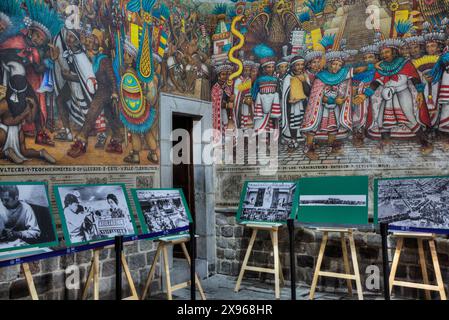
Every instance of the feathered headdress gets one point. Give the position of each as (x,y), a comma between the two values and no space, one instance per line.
(391,43)
(224,66)
(311,55)
(41,17)
(372,48)
(403,27)
(336,55)
(434,37)
(265,54)
(414,40)
(12,16)
(10,9)
(328,41)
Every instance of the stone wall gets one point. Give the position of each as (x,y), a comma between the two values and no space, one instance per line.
(50,275)
(233,239)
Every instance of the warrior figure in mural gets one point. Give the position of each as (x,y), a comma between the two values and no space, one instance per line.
(222,96)
(75,82)
(362,81)
(295,91)
(434,42)
(243,103)
(18,105)
(415,46)
(282,67)
(265,92)
(328,113)
(105,98)
(314,64)
(176,72)
(398,104)
(32,48)
(137,107)
(440,77)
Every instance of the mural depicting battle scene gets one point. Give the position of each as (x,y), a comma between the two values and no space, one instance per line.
(80,79)
(340,80)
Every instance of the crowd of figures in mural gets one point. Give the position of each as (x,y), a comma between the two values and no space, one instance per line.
(81,79)
(333,72)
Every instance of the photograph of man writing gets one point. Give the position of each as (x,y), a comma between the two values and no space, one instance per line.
(18,221)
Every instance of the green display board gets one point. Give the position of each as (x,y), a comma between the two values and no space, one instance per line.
(333,200)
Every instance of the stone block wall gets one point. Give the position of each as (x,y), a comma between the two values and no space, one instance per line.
(50,275)
(233,239)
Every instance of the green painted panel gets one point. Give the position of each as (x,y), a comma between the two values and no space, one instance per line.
(333,200)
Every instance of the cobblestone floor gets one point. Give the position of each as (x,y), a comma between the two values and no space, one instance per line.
(221,287)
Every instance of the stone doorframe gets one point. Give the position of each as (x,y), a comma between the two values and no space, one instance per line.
(203,174)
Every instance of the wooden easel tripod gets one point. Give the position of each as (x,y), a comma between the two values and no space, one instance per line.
(94,275)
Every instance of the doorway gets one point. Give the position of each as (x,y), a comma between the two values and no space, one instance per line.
(183,173)
(196,178)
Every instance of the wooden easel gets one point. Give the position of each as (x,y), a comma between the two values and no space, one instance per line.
(94,274)
(347,275)
(29,280)
(273,228)
(162,247)
(420,237)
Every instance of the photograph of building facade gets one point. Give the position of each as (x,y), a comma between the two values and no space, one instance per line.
(268,201)
(206,95)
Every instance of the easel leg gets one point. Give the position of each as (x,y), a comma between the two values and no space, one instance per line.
(146,290)
(90,276)
(167,272)
(436,266)
(394,264)
(245,261)
(132,287)
(318,266)
(355,265)
(30,282)
(281,274)
(274,235)
(346,261)
(422,262)
(96,274)
(197,279)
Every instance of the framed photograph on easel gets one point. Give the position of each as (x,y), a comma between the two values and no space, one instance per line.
(92,213)
(26,220)
(162,212)
(333,200)
(417,204)
(268,201)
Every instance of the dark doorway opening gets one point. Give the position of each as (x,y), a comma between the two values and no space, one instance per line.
(183,174)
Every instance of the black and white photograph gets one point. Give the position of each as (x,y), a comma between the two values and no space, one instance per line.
(414,204)
(162,211)
(25,217)
(333,200)
(267,201)
(94,212)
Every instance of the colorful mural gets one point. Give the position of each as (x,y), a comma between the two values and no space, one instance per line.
(333,76)
(81,79)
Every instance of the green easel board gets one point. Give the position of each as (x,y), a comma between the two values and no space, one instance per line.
(333,200)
